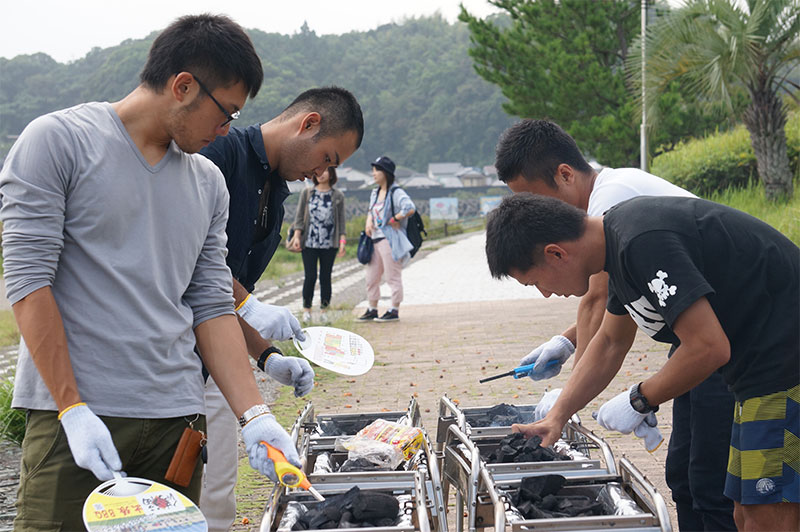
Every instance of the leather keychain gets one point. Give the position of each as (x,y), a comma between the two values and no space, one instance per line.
(181,467)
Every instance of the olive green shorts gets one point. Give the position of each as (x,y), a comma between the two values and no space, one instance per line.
(52,488)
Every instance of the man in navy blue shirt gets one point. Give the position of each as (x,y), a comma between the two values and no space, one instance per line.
(321,128)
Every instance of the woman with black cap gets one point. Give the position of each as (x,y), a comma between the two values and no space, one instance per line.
(387,218)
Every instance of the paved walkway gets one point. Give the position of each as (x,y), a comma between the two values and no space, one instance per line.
(457,326)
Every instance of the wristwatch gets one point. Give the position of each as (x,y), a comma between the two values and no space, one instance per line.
(253,412)
(639,402)
(265,355)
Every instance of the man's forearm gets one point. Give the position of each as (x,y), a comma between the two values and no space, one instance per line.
(591,309)
(601,362)
(223,349)
(256,344)
(704,348)
(42,328)
(240,293)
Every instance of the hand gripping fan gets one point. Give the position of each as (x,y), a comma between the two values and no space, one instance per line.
(133,504)
(337,350)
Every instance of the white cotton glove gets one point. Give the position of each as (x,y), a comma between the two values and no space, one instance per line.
(648,431)
(618,414)
(266,428)
(271,321)
(545,404)
(291,371)
(556,348)
(90,442)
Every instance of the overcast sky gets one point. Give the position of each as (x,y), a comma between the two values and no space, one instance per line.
(68,29)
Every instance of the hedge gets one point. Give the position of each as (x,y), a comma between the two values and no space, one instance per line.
(720,161)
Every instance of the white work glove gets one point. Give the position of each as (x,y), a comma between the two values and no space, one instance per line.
(648,431)
(90,442)
(271,321)
(556,348)
(266,428)
(291,371)
(618,414)
(545,404)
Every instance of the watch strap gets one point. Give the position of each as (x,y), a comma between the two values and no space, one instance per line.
(262,360)
(639,402)
(252,413)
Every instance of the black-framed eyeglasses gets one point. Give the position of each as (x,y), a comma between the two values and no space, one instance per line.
(230,117)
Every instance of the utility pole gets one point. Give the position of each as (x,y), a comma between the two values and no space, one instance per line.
(643,128)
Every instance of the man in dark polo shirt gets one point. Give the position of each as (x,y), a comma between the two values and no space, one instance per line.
(719,285)
(321,128)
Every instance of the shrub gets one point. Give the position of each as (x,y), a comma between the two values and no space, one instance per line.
(721,161)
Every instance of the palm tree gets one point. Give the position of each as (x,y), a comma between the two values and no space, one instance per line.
(719,46)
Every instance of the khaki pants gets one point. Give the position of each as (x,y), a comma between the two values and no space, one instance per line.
(382,265)
(218,501)
(52,488)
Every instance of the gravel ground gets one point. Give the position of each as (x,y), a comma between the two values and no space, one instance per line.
(9,480)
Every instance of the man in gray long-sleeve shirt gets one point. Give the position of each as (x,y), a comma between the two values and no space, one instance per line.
(114,256)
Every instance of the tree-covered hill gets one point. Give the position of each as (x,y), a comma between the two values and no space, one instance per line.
(422,100)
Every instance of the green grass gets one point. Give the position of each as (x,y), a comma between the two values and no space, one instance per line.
(12,421)
(9,333)
(785,217)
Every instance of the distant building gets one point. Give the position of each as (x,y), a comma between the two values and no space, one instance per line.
(473,177)
(490,171)
(450,182)
(443,172)
(418,181)
(351,179)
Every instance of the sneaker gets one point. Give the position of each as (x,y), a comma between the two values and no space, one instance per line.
(369,315)
(323,317)
(389,315)
(306,317)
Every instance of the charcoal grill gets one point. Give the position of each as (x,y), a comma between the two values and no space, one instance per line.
(485,491)
(312,442)
(409,485)
(592,456)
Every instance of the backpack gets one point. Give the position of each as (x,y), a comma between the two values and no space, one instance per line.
(414,229)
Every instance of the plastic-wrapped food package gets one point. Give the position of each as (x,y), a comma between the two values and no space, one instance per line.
(619,503)
(384,444)
(369,455)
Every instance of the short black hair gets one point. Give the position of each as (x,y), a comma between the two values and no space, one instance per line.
(534,149)
(213,47)
(338,108)
(519,228)
(332,177)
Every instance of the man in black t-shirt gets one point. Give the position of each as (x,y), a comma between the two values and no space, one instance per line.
(719,285)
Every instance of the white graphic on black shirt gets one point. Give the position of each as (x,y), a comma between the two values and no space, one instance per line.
(645,316)
(660,288)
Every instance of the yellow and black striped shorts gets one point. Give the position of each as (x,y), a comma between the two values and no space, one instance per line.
(764,459)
